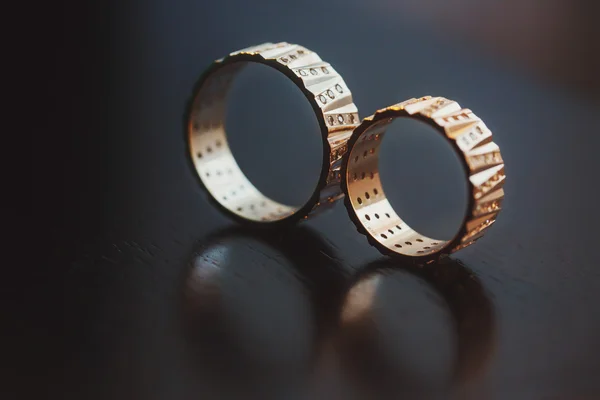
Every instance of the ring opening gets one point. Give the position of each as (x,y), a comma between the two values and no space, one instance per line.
(213,154)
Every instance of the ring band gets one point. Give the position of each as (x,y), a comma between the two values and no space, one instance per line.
(365,199)
(212,159)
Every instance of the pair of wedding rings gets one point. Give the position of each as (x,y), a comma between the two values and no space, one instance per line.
(350,154)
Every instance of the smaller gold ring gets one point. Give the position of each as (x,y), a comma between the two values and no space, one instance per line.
(368,205)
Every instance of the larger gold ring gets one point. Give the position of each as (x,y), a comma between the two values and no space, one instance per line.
(212,159)
(367,203)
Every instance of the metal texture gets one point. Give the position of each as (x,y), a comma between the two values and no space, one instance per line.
(210,154)
(366,201)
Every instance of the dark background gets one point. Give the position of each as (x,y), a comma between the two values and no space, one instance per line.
(140,289)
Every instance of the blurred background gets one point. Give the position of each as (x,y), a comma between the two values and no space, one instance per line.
(556,41)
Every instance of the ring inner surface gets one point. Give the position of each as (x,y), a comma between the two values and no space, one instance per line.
(370,203)
(213,159)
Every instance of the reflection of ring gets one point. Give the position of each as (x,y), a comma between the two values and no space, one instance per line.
(468,302)
(212,159)
(367,203)
(308,253)
(207,321)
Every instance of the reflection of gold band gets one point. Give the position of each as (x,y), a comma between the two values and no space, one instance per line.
(210,154)
(469,303)
(308,263)
(366,201)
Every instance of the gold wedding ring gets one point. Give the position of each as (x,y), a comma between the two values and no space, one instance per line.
(210,154)
(366,201)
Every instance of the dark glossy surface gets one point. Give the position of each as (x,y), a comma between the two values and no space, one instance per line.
(142,290)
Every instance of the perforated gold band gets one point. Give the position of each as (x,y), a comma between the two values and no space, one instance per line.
(212,159)
(365,198)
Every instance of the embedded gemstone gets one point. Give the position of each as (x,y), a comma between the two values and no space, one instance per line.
(340,118)
(330,94)
(313,71)
(338,87)
(322,99)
